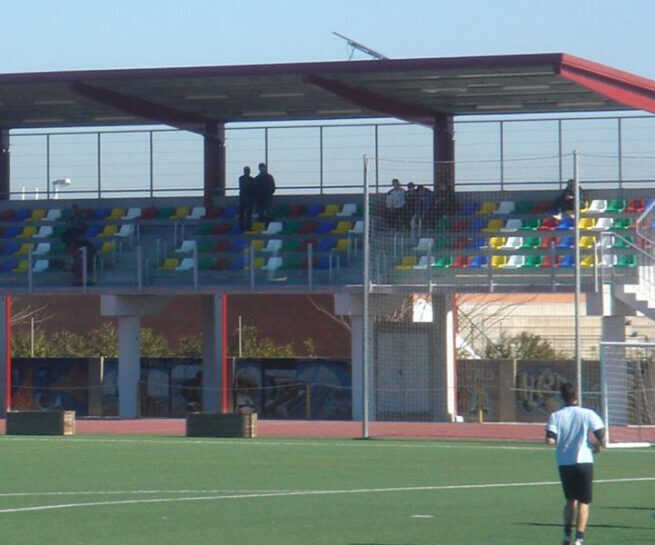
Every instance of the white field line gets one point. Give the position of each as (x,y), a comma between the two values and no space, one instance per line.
(293,493)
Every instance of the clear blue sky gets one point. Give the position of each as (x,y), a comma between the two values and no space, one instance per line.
(41,35)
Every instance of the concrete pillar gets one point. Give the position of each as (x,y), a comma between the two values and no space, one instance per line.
(444,353)
(96,377)
(443,150)
(4,165)
(214,328)
(5,353)
(214,158)
(129,365)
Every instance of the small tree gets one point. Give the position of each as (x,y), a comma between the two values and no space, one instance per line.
(524,346)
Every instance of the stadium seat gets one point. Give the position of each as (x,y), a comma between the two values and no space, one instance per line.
(342,227)
(229,212)
(541,207)
(498,261)
(273,264)
(290,227)
(10,247)
(186,247)
(626,260)
(566,224)
(22,266)
(213,212)
(458,243)
(493,226)
(256,228)
(222,228)
(273,245)
(325,227)
(443,224)
(12,231)
(624,241)
(407,263)
(326,244)
(532,261)
(291,245)
(314,210)
(568,261)
(281,210)
(358,228)
(478,261)
(530,224)
(548,224)
(513,243)
(132,214)
(107,247)
(239,244)
(443,262)
(108,231)
(424,244)
(42,248)
(505,207)
(297,211)
(274,228)
(169,264)
(116,214)
(28,232)
(185,265)
(635,206)
(348,210)
(616,206)
(22,214)
(197,213)
(148,214)
(92,231)
(515,261)
(479,242)
(329,211)
(257,245)
(40,265)
(587,261)
(566,243)
(25,248)
(307,227)
(7,215)
(513,224)
(487,208)
(550,261)
(205,263)
(461,262)
(101,213)
(37,214)
(548,242)
(8,265)
(586,223)
(604,224)
(597,206)
(531,243)
(469,208)
(459,226)
(623,224)
(587,242)
(223,245)
(343,245)
(524,207)
(126,230)
(607,261)
(422,263)
(181,212)
(54,214)
(497,243)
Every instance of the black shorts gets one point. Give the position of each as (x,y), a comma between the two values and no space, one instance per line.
(576,481)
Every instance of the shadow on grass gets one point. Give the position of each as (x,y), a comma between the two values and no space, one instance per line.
(606,526)
(628,508)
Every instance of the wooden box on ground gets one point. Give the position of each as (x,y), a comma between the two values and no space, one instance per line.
(40,423)
(221,425)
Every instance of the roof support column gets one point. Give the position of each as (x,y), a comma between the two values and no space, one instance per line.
(214,155)
(443,150)
(4,164)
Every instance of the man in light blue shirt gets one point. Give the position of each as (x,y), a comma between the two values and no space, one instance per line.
(569,429)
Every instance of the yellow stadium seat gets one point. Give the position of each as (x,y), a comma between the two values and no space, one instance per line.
(25,248)
(258,245)
(486,208)
(181,213)
(257,228)
(116,214)
(330,210)
(587,242)
(22,266)
(498,261)
(27,232)
(497,243)
(343,244)
(342,228)
(107,247)
(37,214)
(260,262)
(407,263)
(493,226)
(108,231)
(587,261)
(170,264)
(587,223)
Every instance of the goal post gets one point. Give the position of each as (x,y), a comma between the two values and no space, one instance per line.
(628,393)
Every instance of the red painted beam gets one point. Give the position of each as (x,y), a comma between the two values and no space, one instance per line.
(373,101)
(623,87)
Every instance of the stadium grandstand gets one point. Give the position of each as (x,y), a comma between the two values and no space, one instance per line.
(492,226)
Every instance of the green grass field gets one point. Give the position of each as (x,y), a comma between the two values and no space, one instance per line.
(173,491)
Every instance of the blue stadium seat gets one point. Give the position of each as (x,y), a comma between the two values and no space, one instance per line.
(314,210)
(8,265)
(239,244)
(568,261)
(566,243)
(479,262)
(566,224)
(326,244)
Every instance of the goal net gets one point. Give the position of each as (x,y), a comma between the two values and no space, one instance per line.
(628,392)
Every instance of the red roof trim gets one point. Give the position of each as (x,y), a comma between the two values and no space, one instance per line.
(623,87)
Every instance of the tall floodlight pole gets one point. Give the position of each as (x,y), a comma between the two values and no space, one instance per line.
(576,219)
(365,296)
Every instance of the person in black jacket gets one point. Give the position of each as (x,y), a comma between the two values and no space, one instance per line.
(246,199)
(264,189)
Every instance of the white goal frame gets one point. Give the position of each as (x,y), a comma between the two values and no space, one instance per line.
(608,391)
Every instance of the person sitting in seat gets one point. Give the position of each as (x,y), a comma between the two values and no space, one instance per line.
(565,201)
(395,204)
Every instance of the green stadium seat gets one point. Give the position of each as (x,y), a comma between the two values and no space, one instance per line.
(616,206)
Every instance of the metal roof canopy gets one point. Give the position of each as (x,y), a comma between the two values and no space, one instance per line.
(417,90)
